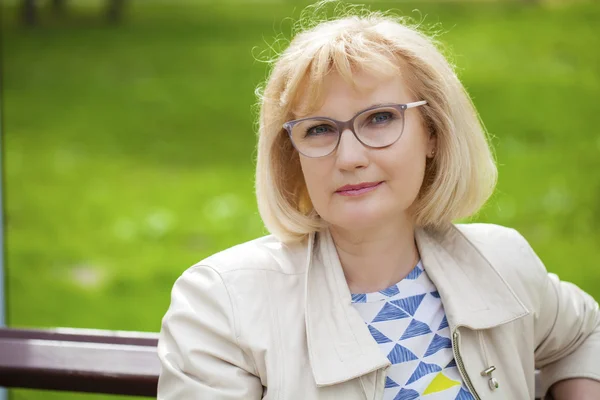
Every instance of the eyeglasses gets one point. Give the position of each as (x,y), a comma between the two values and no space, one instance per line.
(376,127)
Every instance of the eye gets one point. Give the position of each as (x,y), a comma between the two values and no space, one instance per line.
(319,130)
(381,117)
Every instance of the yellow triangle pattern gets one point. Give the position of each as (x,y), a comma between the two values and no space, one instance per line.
(439,383)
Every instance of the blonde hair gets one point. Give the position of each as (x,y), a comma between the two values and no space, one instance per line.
(458,180)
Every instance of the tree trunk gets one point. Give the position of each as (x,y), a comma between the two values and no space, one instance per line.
(28,12)
(115,10)
(58,7)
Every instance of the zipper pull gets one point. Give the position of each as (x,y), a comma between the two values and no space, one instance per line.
(493,382)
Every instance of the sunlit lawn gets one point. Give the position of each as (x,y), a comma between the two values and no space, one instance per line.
(129,149)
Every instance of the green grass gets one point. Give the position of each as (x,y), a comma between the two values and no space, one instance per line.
(129,149)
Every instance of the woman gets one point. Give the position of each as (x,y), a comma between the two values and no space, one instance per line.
(369,148)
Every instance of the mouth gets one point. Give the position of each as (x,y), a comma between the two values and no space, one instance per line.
(357,190)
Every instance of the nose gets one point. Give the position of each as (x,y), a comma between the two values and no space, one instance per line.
(351,154)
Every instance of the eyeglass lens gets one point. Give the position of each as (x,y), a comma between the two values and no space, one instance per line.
(379,127)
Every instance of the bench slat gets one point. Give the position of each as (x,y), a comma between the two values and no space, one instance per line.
(83,335)
(78,363)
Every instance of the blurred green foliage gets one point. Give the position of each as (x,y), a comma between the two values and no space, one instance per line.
(129,149)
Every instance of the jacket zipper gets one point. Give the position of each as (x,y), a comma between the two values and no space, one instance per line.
(461,365)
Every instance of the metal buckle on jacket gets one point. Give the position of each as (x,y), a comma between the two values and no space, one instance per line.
(493,382)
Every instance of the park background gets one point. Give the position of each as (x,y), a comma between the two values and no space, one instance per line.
(128,147)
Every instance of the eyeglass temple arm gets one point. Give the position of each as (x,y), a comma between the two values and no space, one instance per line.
(416,104)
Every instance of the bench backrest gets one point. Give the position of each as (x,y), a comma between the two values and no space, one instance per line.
(83,360)
(80,360)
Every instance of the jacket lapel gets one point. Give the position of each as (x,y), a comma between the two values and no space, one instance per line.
(339,343)
(472,291)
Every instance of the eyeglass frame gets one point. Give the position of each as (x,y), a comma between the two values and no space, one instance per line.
(349,125)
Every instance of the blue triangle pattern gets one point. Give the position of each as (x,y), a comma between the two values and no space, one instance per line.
(391,291)
(409,304)
(464,395)
(419,330)
(400,354)
(438,343)
(389,313)
(422,370)
(407,394)
(359,298)
(390,383)
(378,336)
(415,273)
(443,324)
(416,328)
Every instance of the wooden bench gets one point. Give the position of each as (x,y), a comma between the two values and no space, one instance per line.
(82,360)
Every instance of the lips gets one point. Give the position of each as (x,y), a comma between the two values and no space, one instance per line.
(355,190)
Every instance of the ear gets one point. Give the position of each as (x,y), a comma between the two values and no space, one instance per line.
(432,145)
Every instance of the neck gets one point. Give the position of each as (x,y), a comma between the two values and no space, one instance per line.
(374,259)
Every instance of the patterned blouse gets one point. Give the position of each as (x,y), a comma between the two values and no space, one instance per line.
(408,322)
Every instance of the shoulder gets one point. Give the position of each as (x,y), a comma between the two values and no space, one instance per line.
(491,239)
(266,253)
(508,252)
(238,269)
(497,242)
(490,234)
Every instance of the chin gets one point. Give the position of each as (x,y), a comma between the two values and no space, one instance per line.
(363,219)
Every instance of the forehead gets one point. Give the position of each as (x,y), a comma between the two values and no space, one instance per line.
(341,98)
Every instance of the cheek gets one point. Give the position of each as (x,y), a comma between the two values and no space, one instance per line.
(411,177)
(406,171)
(315,177)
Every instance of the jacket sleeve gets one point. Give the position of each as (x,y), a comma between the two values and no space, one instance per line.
(198,345)
(567,330)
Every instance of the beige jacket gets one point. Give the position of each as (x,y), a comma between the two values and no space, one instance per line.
(266,320)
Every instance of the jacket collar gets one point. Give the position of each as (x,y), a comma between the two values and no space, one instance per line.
(340,345)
